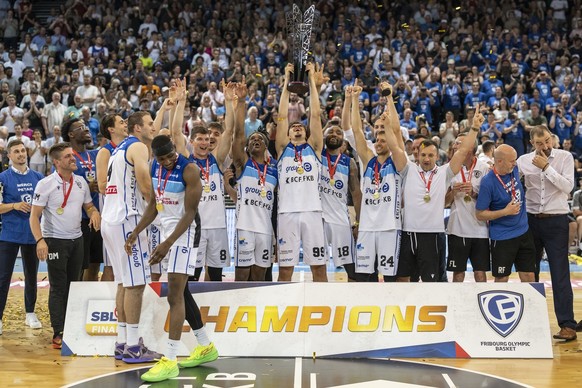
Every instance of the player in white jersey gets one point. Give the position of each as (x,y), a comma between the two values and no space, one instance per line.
(300,220)
(128,189)
(214,249)
(177,190)
(113,128)
(467,236)
(256,183)
(424,190)
(380,218)
(338,177)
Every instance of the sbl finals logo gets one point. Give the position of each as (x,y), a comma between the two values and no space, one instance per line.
(502,310)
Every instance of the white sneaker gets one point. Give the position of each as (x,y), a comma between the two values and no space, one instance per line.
(32,321)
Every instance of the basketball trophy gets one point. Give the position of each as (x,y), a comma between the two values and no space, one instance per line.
(299,29)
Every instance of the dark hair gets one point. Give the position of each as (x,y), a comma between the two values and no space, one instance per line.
(14,143)
(66,128)
(136,119)
(307,130)
(162,145)
(56,149)
(427,143)
(107,122)
(539,130)
(198,129)
(487,146)
(215,125)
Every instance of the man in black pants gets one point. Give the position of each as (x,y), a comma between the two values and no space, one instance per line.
(17,185)
(59,199)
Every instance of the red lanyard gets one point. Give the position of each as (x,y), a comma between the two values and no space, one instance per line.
(377,174)
(263,176)
(205,173)
(331,167)
(113,144)
(162,190)
(512,181)
(298,157)
(427,186)
(470,172)
(88,164)
(68,192)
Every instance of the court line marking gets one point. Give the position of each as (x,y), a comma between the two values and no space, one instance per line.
(449,381)
(298,372)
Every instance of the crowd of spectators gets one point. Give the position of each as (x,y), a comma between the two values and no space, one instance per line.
(518,59)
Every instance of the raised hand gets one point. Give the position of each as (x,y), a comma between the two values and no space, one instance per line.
(229,91)
(320,79)
(241,90)
(478,119)
(289,68)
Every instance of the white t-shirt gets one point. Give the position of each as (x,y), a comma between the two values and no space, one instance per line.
(49,193)
(37,157)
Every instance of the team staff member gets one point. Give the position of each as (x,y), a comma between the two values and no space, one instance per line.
(17,186)
(500,202)
(177,190)
(59,199)
(128,190)
(114,129)
(467,236)
(424,194)
(257,181)
(299,167)
(78,135)
(549,179)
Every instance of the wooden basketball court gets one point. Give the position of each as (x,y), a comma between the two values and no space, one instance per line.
(27,359)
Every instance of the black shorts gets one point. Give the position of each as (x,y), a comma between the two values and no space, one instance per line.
(519,251)
(92,245)
(462,248)
(420,254)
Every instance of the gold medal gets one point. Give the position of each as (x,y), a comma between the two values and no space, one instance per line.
(467,198)
(60,211)
(427,198)
(159,206)
(300,170)
(263,193)
(332,182)
(207,188)
(376,195)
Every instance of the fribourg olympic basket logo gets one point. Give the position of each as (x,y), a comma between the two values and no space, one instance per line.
(502,310)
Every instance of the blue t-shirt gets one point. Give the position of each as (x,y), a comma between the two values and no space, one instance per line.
(492,196)
(15,187)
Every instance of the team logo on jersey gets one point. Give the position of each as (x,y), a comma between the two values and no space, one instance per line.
(36,197)
(502,310)
(78,183)
(478,174)
(307,167)
(269,195)
(339,184)
(212,186)
(281,242)
(360,247)
(242,242)
(111,190)
(385,187)
(26,198)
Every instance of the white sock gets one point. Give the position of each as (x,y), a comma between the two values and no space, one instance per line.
(132,334)
(201,337)
(29,315)
(172,352)
(121,332)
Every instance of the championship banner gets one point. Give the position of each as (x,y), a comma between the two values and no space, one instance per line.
(355,320)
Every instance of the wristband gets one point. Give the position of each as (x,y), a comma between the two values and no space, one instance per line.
(356,224)
(42,238)
(475,129)
(546,167)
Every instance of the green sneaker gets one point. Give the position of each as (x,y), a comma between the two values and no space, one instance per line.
(163,370)
(200,355)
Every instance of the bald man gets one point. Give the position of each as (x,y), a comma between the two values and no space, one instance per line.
(500,202)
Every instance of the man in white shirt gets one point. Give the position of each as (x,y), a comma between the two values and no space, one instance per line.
(87,92)
(12,114)
(216,96)
(53,114)
(549,179)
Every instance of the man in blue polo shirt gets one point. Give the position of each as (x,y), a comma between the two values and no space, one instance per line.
(501,202)
(17,186)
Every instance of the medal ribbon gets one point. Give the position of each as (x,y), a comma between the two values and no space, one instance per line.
(332,166)
(263,176)
(88,164)
(470,172)
(298,156)
(205,173)
(512,192)
(376,174)
(162,190)
(68,192)
(427,185)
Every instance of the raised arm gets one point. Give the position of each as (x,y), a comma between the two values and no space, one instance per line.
(315,75)
(238,147)
(468,143)
(362,149)
(394,122)
(398,155)
(282,137)
(347,112)
(177,117)
(223,149)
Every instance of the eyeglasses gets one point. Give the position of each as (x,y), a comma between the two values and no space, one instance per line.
(81,127)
